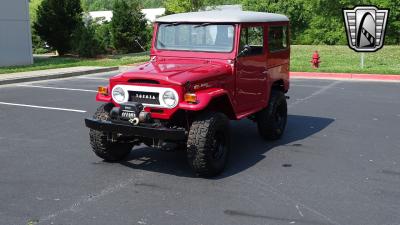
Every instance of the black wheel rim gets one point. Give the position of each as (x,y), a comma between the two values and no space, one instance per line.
(219,146)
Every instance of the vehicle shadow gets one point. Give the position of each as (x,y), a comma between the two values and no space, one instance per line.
(248,148)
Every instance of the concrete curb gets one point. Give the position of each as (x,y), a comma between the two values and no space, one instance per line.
(345,76)
(56,76)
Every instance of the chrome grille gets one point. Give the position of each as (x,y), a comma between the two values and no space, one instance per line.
(144,97)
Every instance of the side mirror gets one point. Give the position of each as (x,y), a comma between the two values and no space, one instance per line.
(246,50)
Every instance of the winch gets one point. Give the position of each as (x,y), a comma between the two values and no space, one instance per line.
(131,112)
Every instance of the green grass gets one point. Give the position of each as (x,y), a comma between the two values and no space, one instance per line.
(341,59)
(64,62)
(335,59)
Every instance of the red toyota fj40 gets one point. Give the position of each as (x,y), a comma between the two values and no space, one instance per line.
(206,68)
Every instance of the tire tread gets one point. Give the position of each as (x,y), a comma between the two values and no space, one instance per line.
(265,122)
(200,141)
(101,146)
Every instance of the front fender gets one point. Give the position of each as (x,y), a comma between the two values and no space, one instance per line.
(204,97)
(103,98)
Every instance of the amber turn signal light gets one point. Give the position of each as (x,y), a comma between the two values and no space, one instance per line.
(190,98)
(102,90)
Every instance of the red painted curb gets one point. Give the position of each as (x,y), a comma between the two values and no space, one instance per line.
(349,76)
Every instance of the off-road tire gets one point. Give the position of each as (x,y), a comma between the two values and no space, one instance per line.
(271,121)
(208,144)
(101,145)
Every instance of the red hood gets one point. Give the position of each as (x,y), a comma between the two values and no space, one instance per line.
(176,71)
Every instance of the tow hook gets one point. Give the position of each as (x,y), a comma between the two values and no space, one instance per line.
(134,121)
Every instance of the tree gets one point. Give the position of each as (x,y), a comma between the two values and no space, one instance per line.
(128,26)
(180,6)
(96,5)
(393,27)
(38,46)
(103,35)
(152,4)
(325,25)
(56,22)
(33,6)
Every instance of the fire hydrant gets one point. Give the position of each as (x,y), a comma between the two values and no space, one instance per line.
(315,60)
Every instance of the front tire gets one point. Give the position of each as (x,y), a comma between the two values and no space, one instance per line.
(102,146)
(271,121)
(208,144)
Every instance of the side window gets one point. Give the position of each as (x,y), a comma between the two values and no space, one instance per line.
(277,38)
(253,37)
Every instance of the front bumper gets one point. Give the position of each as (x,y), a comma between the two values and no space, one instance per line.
(140,131)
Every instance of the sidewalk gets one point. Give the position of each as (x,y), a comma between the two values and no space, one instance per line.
(345,76)
(52,74)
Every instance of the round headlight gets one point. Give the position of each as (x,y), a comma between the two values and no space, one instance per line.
(118,94)
(169,98)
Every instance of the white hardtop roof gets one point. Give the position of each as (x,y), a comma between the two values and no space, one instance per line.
(223,16)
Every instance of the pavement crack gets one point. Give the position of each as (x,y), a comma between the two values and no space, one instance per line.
(230,212)
(298,210)
(296,202)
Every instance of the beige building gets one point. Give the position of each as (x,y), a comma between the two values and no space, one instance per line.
(15,33)
(150,14)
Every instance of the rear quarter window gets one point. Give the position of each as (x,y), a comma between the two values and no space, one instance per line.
(277,38)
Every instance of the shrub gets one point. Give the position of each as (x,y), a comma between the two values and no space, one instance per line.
(149,33)
(87,45)
(103,35)
(38,46)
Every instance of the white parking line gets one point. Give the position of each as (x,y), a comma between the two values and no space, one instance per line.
(55,88)
(42,107)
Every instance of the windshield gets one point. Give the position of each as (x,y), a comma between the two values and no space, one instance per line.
(195,37)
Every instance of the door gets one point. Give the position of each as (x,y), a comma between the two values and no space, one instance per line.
(251,79)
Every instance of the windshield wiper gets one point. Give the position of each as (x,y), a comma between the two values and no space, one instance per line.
(172,24)
(202,25)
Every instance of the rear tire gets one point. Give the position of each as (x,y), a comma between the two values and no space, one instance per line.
(208,144)
(101,145)
(271,121)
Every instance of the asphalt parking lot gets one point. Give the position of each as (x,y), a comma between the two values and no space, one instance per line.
(338,163)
